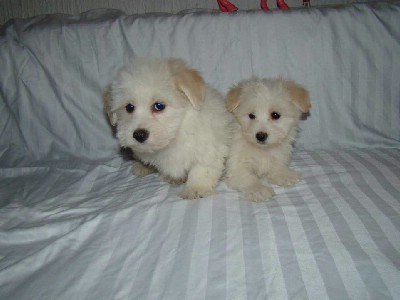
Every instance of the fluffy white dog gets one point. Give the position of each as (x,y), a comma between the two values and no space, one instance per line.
(172,121)
(268,112)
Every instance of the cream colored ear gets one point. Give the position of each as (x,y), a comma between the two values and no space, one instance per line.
(299,96)
(112,116)
(189,82)
(232,99)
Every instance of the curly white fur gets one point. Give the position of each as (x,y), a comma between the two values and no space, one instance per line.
(188,139)
(267,113)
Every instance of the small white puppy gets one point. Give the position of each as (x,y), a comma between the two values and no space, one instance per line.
(268,112)
(172,121)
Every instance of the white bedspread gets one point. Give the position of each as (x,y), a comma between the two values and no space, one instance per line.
(93,231)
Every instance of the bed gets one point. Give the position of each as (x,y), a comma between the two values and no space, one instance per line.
(76,224)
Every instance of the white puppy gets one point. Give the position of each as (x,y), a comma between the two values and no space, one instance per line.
(268,112)
(172,121)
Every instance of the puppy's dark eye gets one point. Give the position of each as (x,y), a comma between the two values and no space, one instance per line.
(252,116)
(158,106)
(275,115)
(130,108)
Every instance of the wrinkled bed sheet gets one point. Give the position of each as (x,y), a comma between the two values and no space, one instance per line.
(93,231)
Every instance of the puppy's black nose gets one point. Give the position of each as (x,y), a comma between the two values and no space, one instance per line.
(261,136)
(141,135)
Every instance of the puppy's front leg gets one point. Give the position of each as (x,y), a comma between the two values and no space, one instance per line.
(284,176)
(247,182)
(201,182)
(140,169)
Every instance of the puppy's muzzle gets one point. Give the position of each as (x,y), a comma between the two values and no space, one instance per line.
(261,137)
(141,135)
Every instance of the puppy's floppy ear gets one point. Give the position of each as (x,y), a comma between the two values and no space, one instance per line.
(299,96)
(232,99)
(107,98)
(188,81)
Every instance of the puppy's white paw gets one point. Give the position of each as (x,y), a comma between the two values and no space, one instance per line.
(196,192)
(141,170)
(259,194)
(173,181)
(286,178)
